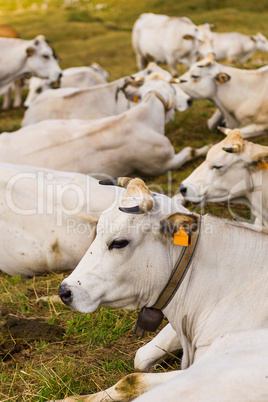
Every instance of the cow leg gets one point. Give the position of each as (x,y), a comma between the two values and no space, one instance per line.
(186,155)
(217,119)
(130,387)
(17,93)
(253,130)
(172,66)
(155,351)
(141,61)
(7,99)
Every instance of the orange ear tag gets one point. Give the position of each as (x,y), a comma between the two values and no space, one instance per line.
(262,165)
(135,99)
(181,238)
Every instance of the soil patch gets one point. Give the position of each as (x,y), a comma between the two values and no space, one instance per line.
(19,332)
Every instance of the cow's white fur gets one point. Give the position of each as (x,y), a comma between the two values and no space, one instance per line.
(223,291)
(117,145)
(235,46)
(169,40)
(48,218)
(240,95)
(87,103)
(231,177)
(75,77)
(234,368)
(20,57)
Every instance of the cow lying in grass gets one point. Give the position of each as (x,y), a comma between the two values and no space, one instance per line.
(234,171)
(241,96)
(118,145)
(74,77)
(84,103)
(48,218)
(222,289)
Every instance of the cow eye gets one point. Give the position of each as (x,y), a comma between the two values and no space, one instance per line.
(216,167)
(39,90)
(195,77)
(45,56)
(118,244)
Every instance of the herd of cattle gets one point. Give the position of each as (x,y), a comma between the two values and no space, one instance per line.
(121,236)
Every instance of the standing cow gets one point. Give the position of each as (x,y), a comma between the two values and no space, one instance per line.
(21,58)
(7,31)
(170,40)
(208,288)
(235,46)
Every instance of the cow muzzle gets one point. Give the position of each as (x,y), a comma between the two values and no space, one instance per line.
(65,294)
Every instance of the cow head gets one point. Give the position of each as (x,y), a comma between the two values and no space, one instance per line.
(166,88)
(226,172)
(41,60)
(261,42)
(100,70)
(204,40)
(203,77)
(131,258)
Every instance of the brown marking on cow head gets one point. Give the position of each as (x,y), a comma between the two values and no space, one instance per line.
(170,225)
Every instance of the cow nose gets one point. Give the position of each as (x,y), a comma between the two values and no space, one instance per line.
(183,190)
(25,106)
(60,75)
(189,102)
(65,294)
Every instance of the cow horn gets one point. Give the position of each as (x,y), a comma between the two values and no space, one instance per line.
(116,181)
(208,60)
(224,130)
(176,80)
(233,149)
(235,139)
(135,188)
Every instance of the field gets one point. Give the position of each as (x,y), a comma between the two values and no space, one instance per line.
(59,352)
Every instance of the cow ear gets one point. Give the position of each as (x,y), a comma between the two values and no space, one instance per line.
(30,51)
(188,37)
(221,78)
(171,224)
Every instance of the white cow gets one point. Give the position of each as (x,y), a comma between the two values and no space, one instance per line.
(224,290)
(233,171)
(241,96)
(169,40)
(117,145)
(7,31)
(76,77)
(233,368)
(48,218)
(23,57)
(87,103)
(235,46)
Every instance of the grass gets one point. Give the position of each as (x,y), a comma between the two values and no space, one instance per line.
(97,350)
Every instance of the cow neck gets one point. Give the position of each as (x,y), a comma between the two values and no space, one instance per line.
(160,97)
(150,318)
